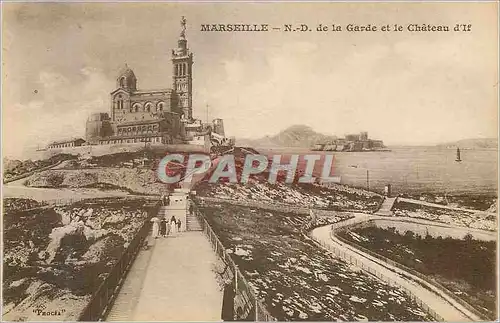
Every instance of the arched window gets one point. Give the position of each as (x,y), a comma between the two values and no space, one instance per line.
(119,102)
(147,107)
(160,106)
(122,81)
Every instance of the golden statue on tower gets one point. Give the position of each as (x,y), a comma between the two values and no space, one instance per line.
(183,26)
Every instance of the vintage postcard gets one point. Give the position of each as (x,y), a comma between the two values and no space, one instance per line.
(328,161)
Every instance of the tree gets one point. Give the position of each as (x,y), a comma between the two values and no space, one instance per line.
(468,237)
(409,235)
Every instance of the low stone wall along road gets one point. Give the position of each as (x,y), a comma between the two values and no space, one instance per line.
(444,307)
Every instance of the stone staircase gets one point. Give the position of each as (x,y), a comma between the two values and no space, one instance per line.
(179,208)
(162,211)
(192,223)
(386,207)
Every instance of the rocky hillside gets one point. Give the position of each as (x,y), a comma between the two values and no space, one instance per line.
(136,180)
(296,279)
(55,258)
(295,136)
(10,164)
(478,143)
(337,197)
(14,167)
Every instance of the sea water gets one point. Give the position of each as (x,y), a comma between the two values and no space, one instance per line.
(415,169)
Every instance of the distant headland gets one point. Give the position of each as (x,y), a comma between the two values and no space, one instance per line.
(301,136)
(474,143)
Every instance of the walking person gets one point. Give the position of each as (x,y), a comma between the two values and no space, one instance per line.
(163,227)
(173,224)
(156,227)
(179,225)
(168,228)
(190,203)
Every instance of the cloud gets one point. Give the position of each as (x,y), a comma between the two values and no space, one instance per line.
(408,91)
(52,81)
(60,112)
(400,87)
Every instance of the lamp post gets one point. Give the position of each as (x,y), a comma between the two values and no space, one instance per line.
(145,140)
(367,176)
(367,180)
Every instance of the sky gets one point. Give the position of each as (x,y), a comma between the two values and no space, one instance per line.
(60,62)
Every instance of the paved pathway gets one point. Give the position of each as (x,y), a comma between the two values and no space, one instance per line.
(130,291)
(59,194)
(17,189)
(403,199)
(435,229)
(440,303)
(386,207)
(177,285)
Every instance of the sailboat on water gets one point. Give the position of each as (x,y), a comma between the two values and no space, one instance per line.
(458,155)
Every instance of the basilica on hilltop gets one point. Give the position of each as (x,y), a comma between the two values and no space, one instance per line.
(162,116)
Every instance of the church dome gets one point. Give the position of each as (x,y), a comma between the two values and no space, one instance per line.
(126,79)
(127,72)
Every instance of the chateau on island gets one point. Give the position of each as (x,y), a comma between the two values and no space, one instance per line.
(351,142)
(162,116)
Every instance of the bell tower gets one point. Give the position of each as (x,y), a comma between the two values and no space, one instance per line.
(182,63)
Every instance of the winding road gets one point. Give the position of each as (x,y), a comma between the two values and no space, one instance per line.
(17,189)
(446,308)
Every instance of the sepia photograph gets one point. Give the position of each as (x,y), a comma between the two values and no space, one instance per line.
(244,161)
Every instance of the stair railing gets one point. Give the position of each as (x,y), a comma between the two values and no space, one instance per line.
(246,298)
(103,298)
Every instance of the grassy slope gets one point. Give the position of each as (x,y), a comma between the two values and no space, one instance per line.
(296,279)
(467,267)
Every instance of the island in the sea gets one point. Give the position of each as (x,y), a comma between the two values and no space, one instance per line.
(351,142)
